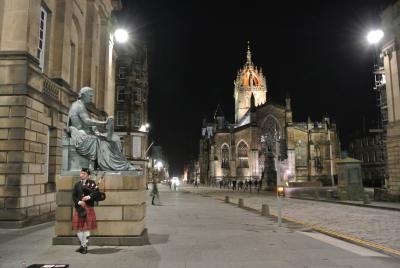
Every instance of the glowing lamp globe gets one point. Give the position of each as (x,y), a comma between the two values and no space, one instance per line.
(121,35)
(375,36)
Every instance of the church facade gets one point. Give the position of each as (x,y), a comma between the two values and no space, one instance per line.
(264,143)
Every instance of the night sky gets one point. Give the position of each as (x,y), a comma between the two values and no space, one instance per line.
(314,50)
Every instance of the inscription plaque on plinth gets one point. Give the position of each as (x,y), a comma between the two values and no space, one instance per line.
(120,217)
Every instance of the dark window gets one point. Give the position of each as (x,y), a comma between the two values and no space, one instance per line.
(120,93)
(225,156)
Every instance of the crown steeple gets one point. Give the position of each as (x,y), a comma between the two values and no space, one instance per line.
(249,81)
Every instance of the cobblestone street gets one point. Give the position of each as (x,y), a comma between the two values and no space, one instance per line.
(369,224)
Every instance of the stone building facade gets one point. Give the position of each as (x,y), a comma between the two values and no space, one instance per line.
(371,150)
(390,52)
(49,49)
(264,140)
(131,101)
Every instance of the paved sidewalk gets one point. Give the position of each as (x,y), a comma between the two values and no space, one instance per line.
(376,227)
(188,230)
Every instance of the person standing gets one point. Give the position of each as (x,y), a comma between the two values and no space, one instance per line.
(154,192)
(84,216)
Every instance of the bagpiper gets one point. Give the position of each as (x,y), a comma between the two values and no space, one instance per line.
(84,216)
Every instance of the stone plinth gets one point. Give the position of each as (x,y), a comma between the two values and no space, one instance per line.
(120,218)
(350,185)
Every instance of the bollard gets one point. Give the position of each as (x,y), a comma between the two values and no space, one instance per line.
(264,210)
(366,199)
(226,199)
(241,203)
(316,194)
(328,194)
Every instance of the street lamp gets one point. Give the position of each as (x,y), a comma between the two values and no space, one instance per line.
(375,36)
(159,165)
(121,35)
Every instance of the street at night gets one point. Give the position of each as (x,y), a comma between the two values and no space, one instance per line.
(137,133)
(188,230)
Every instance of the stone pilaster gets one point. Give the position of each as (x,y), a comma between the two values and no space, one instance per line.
(393,156)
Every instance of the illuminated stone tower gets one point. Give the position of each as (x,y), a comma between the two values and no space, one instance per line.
(249,80)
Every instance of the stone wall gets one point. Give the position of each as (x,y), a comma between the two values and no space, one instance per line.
(393,156)
(30,156)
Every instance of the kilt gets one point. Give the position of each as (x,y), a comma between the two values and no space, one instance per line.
(84,224)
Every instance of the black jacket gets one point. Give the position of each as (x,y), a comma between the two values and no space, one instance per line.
(81,190)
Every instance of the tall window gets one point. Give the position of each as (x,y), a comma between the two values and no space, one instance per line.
(301,154)
(137,95)
(318,158)
(243,155)
(72,65)
(120,118)
(122,72)
(42,37)
(136,119)
(120,93)
(225,156)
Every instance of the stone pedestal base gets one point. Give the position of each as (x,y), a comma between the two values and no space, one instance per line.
(120,218)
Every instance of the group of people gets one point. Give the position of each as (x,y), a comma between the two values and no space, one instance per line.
(241,185)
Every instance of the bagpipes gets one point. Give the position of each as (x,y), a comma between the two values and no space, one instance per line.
(93,190)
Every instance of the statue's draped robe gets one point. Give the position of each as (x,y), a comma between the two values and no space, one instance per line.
(93,145)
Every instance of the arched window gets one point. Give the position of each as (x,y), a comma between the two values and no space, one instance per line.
(225,156)
(243,155)
(301,154)
(318,158)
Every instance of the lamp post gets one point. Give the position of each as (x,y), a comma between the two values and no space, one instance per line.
(374,37)
(278,176)
(272,138)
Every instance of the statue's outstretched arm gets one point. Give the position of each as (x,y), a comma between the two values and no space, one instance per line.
(91,122)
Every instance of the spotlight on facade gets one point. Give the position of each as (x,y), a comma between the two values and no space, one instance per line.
(375,36)
(144,128)
(121,35)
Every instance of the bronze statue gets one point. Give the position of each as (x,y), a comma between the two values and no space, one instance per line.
(104,148)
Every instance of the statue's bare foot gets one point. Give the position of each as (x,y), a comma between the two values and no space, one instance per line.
(135,168)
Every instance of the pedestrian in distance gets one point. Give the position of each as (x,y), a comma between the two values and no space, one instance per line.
(84,216)
(154,192)
(196,184)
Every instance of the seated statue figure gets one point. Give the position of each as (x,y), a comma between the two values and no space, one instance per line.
(103,148)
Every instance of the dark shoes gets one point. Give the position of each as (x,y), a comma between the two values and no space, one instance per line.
(82,250)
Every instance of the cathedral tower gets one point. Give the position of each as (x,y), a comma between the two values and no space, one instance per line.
(249,80)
